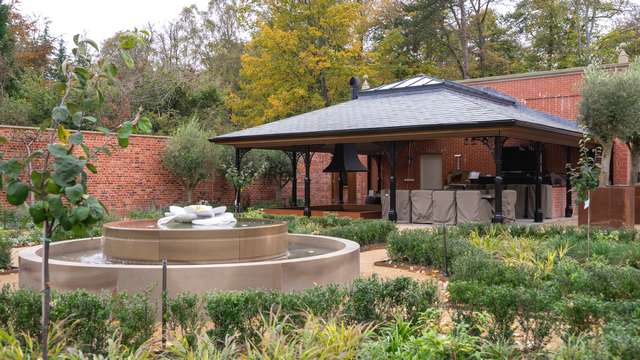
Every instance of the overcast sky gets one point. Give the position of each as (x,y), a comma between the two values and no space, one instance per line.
(100,19)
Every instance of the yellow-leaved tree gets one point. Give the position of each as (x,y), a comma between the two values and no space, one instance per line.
(300,58)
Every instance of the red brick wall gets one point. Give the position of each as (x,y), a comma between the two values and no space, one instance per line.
(134,178)
(557,94)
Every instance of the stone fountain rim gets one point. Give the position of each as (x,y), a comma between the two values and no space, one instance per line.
(33,255)
(115,225)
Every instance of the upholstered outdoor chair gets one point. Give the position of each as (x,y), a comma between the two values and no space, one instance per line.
(422,206)
(444,207)
(472,206)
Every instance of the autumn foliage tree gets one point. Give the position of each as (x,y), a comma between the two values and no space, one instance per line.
(300,59)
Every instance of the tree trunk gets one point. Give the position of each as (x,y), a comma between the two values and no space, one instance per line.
(189,195)
(634,151)
(46,293)
(605,163)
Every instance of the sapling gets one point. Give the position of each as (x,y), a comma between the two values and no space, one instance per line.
(56,176)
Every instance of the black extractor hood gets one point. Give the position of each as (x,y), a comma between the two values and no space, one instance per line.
(345,159)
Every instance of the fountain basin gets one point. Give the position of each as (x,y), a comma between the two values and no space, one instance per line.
(143,240)
(339,264)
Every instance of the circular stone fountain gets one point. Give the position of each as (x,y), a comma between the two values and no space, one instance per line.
(246,254)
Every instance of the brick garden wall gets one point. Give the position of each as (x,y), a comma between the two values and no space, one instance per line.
(134,178)
(558,94)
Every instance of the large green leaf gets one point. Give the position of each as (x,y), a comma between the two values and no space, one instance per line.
(60,113)
(66,169)
(52,187)
(96,210)
(128,60)
(81,213)
(56,207)
(76,138)
(11,168)
(57,150)
(124,131)
(74,193)
(38,212)
(144,125)
(17,192)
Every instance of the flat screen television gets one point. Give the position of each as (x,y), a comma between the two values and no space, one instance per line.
(518,159)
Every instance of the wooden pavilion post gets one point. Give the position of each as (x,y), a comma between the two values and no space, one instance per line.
(369,163)
(379,162)
(393,215)
(498,217)
(341,178)
(294,179)
(568,208)
(307,181)
(538,215)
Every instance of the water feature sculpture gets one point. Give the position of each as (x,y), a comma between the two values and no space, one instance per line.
(206,249)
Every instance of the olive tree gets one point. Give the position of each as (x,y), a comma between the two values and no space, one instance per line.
(190,156)
(609,109)
(57,175)
(631,89)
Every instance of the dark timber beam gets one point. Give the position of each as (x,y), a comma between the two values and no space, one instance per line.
(307,182)
(568,209)
(341,181)
(538,215)
(498,217)
(368,174)
(393,215)
(379,162)
(294,178)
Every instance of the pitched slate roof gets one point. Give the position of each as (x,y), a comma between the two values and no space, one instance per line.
(420,102)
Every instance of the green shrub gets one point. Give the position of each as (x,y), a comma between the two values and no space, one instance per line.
(535,315)
(482,267)
(5,253)
(366,300)
(426,247)
(185,314)
(373,299)
(364,232)
(87,319)
(499,301)
(25,312)
(135,317)
(580,314)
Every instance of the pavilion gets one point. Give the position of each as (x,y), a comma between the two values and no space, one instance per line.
(379,122)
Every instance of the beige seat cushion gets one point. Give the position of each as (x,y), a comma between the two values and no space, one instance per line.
(422,206)
(547,201)
(403,206)
(471,207)
(444,207)
(509,200)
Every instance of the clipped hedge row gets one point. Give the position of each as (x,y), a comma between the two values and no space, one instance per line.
(366,300)
(89,320)
(362,231)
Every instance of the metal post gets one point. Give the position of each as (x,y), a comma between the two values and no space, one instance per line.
(568,209)
(307,182)
(497,154)
(538,215)
(294,179)
(393,215)
(164,303)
